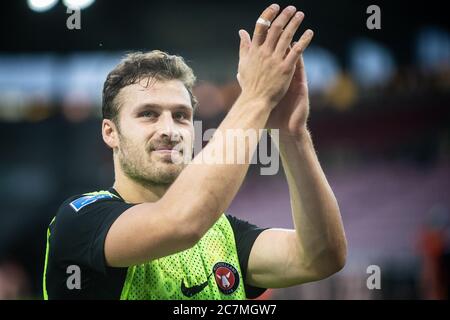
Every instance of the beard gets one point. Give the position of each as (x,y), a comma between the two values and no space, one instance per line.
(146,167)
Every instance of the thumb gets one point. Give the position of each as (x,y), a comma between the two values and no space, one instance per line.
(245,42)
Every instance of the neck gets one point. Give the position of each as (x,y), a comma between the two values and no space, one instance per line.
(135,192)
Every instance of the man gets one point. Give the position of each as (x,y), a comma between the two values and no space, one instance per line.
(161,231)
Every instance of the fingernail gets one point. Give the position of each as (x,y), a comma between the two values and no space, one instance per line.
(275,6)
(299,14)
(291,8)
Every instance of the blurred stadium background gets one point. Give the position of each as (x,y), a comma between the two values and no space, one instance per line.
(379,120)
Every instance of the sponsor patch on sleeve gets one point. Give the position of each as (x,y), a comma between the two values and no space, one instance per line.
(80,203)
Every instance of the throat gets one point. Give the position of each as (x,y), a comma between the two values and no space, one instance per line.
(138,192)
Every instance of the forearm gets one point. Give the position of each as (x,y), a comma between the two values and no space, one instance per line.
(315,210)
(207,189)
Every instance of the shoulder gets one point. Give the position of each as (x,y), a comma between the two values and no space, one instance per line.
(80,201)
(78,205)
(86,212)
(241,226)
(83,220)
(245,233)
(77,233)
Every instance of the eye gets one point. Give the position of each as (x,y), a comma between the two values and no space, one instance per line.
(180,116)
(148,114)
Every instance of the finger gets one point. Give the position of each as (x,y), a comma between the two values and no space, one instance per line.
(245,42)
(299,65)
(278,25)
(260,32)
(287,51)
(299,47)
(289,32)
(300,72)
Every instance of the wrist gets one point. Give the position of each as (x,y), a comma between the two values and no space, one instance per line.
(262,103)
(300,143)
(300,136)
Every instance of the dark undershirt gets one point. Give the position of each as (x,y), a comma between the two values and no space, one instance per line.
(78,237)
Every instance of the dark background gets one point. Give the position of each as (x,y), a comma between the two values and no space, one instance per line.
(384,146)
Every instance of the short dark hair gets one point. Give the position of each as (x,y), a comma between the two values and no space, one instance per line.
(136,66)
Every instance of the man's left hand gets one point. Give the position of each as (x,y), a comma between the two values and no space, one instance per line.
(291,114)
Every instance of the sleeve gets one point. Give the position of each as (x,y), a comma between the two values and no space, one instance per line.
(245,235)
(79,235)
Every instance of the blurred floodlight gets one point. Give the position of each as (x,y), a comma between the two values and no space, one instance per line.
(433,49)
(322,68)
(41,5)
(371,63)
(78,4)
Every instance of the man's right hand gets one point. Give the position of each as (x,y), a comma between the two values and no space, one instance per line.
(265,70)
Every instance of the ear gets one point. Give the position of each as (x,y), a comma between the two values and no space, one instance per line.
(110,134)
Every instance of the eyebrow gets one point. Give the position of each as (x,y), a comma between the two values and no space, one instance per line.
(146,106)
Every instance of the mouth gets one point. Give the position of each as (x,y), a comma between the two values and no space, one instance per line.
(167,151)
(163,150)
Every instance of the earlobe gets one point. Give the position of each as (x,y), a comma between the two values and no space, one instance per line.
(109,133)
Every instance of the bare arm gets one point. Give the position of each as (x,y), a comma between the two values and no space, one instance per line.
(202,192)
(317,247)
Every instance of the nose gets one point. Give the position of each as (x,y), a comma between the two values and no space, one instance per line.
(167,128)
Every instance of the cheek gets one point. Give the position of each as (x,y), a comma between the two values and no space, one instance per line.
(139,134)
(188,136)
(132,141)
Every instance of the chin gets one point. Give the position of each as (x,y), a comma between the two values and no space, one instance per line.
(168,172)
